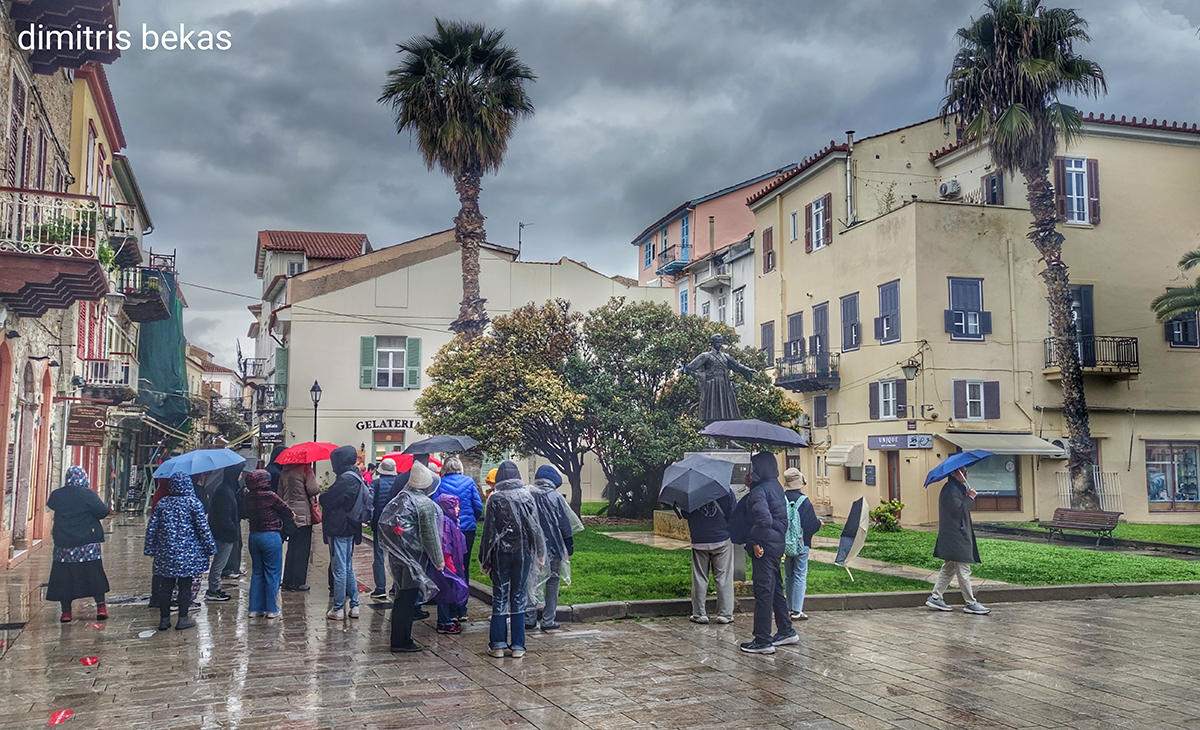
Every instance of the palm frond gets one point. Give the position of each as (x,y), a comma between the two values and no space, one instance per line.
(1176,302)
(1190,259)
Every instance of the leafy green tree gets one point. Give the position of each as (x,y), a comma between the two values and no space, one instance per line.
(1013,64)
(641,407)
(1183,300)
(461,92)
(508,389)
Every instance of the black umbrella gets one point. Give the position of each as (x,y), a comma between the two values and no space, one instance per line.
(695,481)
(754,430)
(442,445)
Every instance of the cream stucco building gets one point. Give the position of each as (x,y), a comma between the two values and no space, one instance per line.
(365,329)
(908,249)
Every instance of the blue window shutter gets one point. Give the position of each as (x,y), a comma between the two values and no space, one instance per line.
(985,323)
(412,365)
(949,315)
(366,363)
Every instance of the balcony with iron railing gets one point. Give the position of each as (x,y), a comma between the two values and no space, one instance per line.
(672,259)
(125,228)
(271,397)
(802,372)
(145,291)
(117,371)
(254,368)
(1108,357)
(50,250)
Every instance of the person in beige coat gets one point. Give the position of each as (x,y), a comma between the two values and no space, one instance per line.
(298,487)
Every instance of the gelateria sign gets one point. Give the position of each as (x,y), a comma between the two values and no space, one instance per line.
(386,423)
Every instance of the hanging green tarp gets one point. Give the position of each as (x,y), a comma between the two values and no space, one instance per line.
(163,368)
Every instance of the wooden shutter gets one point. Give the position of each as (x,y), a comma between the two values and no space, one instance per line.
(281,366)
(828,218)
(1169,331)
(999,187)
(991,400)
(820,411)
(948,316)
(873,401)
(366,363)
(768,240)
(879,328)
(960,398)
(985,323)
(901,397)
(412,365)
(1093,186)
(1060,186)
(808,233)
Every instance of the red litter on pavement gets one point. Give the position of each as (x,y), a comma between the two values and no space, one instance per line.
(58,717)
(97,625)
(89,661)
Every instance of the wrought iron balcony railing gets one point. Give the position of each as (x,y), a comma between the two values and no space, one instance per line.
(1098,355)
(254,368)
(51,224)
(806,373)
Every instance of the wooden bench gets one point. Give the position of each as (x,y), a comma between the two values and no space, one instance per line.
(1082,520)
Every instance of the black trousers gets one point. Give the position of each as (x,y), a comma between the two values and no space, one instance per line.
(403,608)
(162,594)
(769,598)
(295,567)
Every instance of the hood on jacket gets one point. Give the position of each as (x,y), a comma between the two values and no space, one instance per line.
(343,458)
(763,468)
(275,455)
(258,480)
(233,473)
(76,477)
(506,471)
(550,474)
(449,505)
(181,485)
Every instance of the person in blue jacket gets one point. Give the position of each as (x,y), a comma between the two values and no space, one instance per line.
(179,538)
(385,477)
(470,511)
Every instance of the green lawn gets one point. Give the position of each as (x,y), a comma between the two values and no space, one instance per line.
(1173,534)
(591,508)
(607,569)
(1027,563)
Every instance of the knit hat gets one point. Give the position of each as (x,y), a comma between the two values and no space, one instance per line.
(550,474)
(507,470)
(491,477)
(794,479)
(76,477)
(387,468)
(420,479)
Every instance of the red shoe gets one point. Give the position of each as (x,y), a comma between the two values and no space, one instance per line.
(101,612)
(65,618)
(449,629)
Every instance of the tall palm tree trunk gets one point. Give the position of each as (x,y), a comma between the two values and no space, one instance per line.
(1048,240)
(469,234)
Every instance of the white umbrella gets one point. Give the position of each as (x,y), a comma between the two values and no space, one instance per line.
(854,534)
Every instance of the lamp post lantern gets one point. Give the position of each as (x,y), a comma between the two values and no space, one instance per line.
(315,392)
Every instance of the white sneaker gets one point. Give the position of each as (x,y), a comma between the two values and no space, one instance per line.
(798,616)
(354,612)
(699,619)
(256,614)
(977,608)
(273,614)
(498,653)
(518,653)
(335,615)
(724,619)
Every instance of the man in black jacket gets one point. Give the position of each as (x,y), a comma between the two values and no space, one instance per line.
(224,520)
(762,517)
(340,532)
(956,544)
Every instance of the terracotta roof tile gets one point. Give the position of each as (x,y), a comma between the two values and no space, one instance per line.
(315,245)
(807,163)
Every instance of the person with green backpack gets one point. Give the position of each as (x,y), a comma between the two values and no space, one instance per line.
(803,523)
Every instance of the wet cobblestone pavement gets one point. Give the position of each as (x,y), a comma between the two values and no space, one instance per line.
(1083,664)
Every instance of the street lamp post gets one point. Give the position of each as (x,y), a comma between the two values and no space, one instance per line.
(315,392)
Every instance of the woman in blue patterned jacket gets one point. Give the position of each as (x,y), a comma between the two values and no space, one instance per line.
(179,539)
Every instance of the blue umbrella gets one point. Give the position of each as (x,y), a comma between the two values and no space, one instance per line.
(955,461)
(198,462)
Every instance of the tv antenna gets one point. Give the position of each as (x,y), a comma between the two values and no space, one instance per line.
(520,229)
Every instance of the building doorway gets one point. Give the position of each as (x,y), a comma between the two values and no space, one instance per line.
(893,474)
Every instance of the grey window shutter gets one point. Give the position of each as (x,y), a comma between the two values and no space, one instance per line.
(808,232)
(828,218)
(879,328)
(999,188)
(1093,185)
(1060,187)
(1169,332)
(901,397)
(985,323)
(960,398)
(821,411)
(412,364)
(873,401)
(991,400)
(949,316)
(366,362)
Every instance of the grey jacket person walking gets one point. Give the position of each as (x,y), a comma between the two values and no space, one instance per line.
(956,544)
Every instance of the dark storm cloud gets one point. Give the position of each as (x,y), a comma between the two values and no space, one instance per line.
(640,105)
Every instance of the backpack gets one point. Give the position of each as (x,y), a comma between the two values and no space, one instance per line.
(364,505)
(793,541)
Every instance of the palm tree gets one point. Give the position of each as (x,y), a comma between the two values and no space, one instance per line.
(1183,300)
(461,92)
(1003,90)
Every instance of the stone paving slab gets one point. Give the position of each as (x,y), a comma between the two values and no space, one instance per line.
(1115,663)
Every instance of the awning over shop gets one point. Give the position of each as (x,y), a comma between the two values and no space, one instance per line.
(1005,443)
(844,455)
(164,428)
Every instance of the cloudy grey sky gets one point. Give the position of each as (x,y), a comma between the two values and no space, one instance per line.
(641,104)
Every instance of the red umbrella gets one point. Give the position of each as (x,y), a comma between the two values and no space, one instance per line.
(404,462)
(306,453)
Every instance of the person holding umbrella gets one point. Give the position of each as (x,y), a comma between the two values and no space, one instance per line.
(298,487)
(956,539)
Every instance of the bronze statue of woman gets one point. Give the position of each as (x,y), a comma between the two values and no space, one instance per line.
(718,402)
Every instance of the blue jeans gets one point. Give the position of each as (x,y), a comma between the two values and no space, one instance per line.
(341,560)
(795,570)
(379,566)
(266,557)
(510,571)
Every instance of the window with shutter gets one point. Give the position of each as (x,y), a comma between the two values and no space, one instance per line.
(993,189)
(366,362)
(795,225)
(971,399)
(851,330)
(739,306)
(768,247)
(819,222)
(959,397)
(1183,331)
(901,397)
(808,228)
(887,399)
(1060,187)
(820,417)
(1076,189)
(412,379)
(767,341)
(887,325)
(1093,190)
(873,401)
(820,339)
(390,362)
(828,205)
(965,319)
(991,400)
(793,349)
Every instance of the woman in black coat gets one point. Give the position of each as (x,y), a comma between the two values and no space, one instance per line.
(77,570)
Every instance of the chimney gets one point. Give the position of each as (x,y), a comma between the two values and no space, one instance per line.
(712,233)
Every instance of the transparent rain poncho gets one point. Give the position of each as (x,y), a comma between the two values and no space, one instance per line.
(511,530)
(409,531)
(554,516)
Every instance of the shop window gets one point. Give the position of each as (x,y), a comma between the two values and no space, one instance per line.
(997,479)
(1172,482)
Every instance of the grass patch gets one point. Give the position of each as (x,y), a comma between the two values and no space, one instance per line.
(1025,563)
(591,508)
(1172,534)
(647,526)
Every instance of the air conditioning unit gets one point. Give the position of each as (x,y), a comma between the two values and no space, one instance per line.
(804,421)
(950,189)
